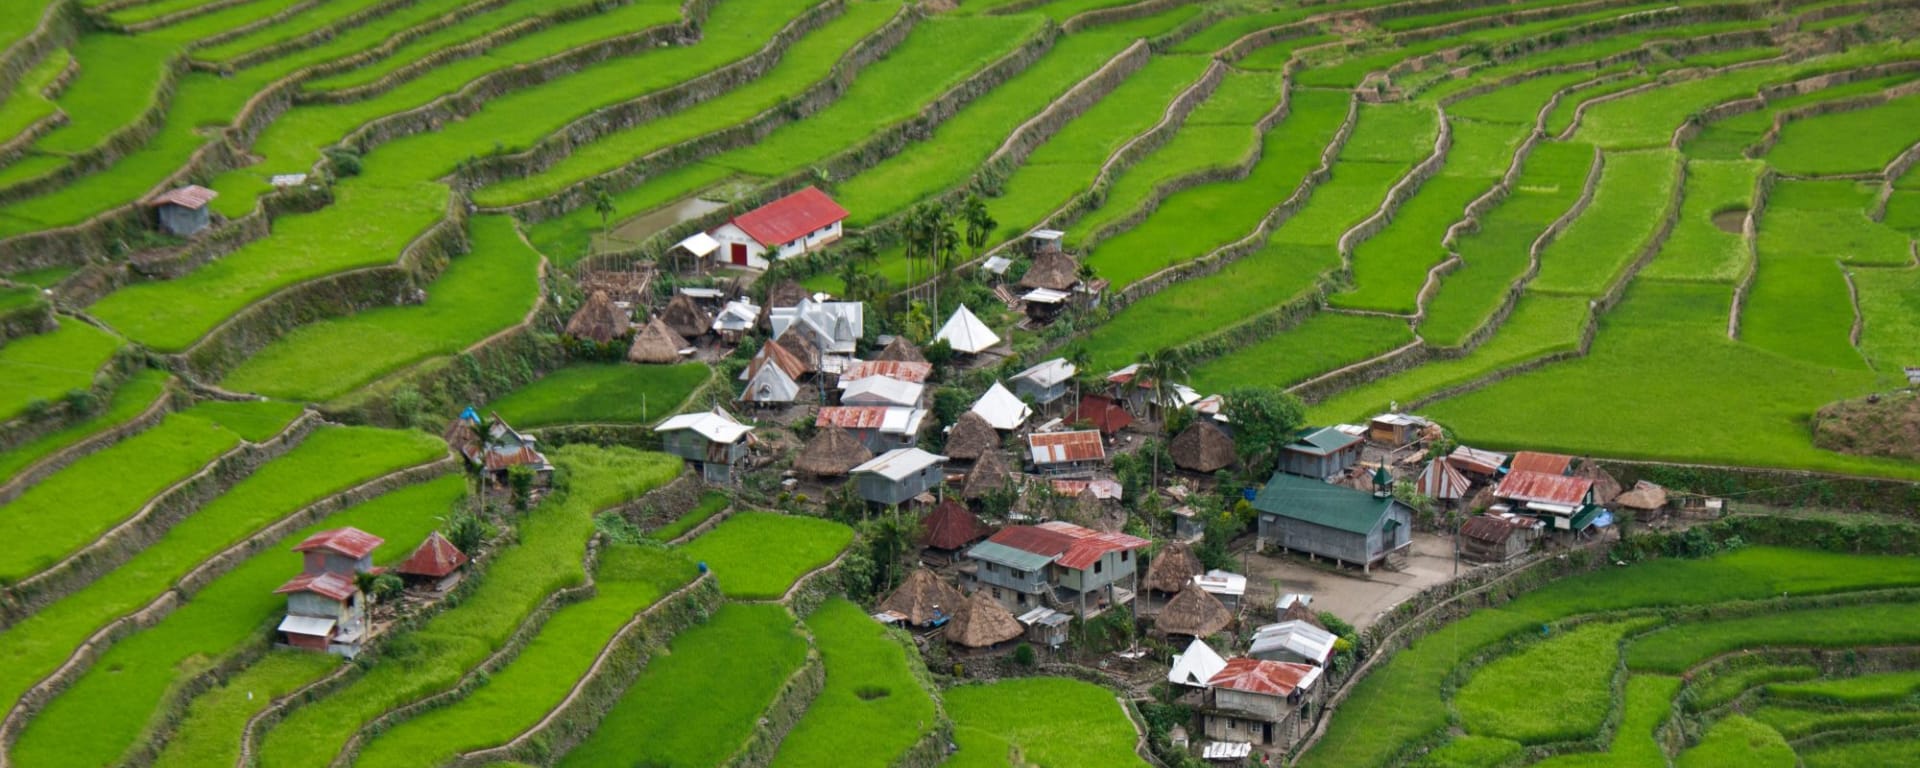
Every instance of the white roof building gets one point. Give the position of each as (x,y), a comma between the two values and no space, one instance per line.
(1050,373)
(736,317)
(966,333)
(1196,666)
(1295,641)
(882,390)
(899,463)
(833,326)
(1001,408)
(715,425)
(699,244)
(1222,584)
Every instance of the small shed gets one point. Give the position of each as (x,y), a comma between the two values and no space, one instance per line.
(833,452)
(1195,666)
(966,334)
(1202,447)
(599,320)
(656,344)
(1044,240)
(898,475)
(1492,539)
(1293,640)
(1476,462)
(924,599)
(1065,452)
(1645,496)
(713,440)
(971,437)
(1227,587)
(1046,382)
(1396,429)
(983,623)
(436,558)
(1193,613)
(1046,626)
(182,211)
(1544,463)
(1320,453)
(1001,409)
(1306,515)
(1441,482)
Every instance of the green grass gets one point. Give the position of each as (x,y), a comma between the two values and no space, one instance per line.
(131,399)
(629,579)
(1321,343)
(434,657)
(602,393)
(1390,267)
(97,720)
(1043,721)
(308,21)
(697,704)
(1795,723)
(1496,255)
(119,78)
(1799,305)
(1885,688)
(330,460)
(710,504)
(810,60)
(1683,645)
(481,293)
(45,367)
(1890,308)
(1649,703)
(1730,138)
(1739,740)
(210,732)
(1500,699)
(1632,197)
(1471,752)
(1863,754)
(1726,684)
(1698,249)
(565,240)
(1856,141)
(28,105)
(467,30)
(1518,104)
(759,555)
(873,707)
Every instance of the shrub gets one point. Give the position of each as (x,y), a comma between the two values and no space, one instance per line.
(1023,655)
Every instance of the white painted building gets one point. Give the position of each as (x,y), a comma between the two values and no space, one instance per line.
(799,223)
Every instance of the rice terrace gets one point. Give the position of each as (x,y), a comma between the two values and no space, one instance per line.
(1026,383)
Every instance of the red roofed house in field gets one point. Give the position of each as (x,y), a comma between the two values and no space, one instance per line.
(804,221)
(435,559)
(1056,564)
(325,609)
(1266,703)
(1566,503)
(1546,463)
(182,211)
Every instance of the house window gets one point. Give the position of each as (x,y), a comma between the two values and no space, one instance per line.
(1020,598)
(996,593)
(1096,566)
(1123,555)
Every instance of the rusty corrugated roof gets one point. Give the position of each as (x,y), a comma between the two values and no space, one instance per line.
(852,416)
(1534,461)
(351,542)
(1524,485)
(330,585)
(1273,678)
(894,369)
(1064,447)
(436,557)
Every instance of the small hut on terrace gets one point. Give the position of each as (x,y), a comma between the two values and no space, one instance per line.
(1193,613)
(656,344)
(983,623)
(951,528)
(1171,571)
(599,321)
(1202,447)
(924,599)
(686,317)
(989,474)
(1298,611)
(1052,270)
(436,558)
(831,453)
(1605,488)
(461,435)
(803,348)
(971,438)
(901,350)
(1645,496)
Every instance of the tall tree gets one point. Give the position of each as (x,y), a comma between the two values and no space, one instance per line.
(946,242)
(1263,421)
(1161,370)
(980,222)
(603,205)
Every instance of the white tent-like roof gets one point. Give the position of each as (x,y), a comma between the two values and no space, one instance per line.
(1293,641)
(882,390)
(770,384)
(1049,373)
(737,316)
(965,333)
(715,425)
(1196,666)
(1001,408)
(899,463)
(699,244)
(311,626)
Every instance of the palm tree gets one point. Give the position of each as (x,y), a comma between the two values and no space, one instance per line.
(603,205)
(946,240)
(1161,370)
(980,222)
(1081,360)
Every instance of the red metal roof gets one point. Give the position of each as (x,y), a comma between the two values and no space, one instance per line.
(1103,413)
(1543,487)
(951,526)
(435,557)
(349,542)
(1029,538)
(1064,447)
(330,585)
(852,416)
(1089,545)
(1273,678)
(791,217)
(1534,461)
(190,196)
(895,369)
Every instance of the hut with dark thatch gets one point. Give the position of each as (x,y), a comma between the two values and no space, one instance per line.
(901,350)
(1645,497)
(1605,488)
(656,344)
(1053,270)
(951,527)
(686,317)
(971,438)
(599,320)
(786,293)
(1299,611)
(989,474)
(803,348)
(1202,447)
(831,453)
(1193,613)
(1171,571)
(924,599)
(983,623)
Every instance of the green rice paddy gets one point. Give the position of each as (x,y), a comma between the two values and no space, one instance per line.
(759,555)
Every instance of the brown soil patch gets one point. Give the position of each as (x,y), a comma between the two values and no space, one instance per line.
(1731,221)
(1884,425)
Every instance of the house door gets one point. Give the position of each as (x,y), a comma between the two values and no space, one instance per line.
(1266,733)
(740,254)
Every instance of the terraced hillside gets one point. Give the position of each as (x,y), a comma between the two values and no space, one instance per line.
(1666,231)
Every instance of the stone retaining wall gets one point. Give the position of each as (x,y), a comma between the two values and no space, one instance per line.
(788,707)
(32,474)
(1750,234)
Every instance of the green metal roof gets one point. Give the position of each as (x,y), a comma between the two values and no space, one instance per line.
(1304,498)
(1322,441)
(1018,559)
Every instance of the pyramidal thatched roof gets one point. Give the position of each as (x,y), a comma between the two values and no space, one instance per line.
(919,596)
(971,437)
(1202,447)
(831,452)
(951,526)
(1173,569)
(901,350)
(1644,496)
(685,317)
(1053,270)
(599,320)
(1193,612)
(656,343)
(983,622)
(989,474)
(1299,611)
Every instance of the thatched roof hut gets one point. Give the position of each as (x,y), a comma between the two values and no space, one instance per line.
(831,453)
(901,350)
(1299,611)
(922,597)
(1605,488)
(983,622)
(971,437)
(1645,496)
(990,473)
(951,526)
(1052,270)
(1173,569)
(786,293)
(802,348)
(1195,613)
(599,320)
(657,344)
(686,317)
(1202,447)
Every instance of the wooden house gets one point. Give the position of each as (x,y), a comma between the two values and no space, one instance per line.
(183,211)
(971,437)
(1194,613)
(497,449)
(1046,382)
(1396,429)
(325,608)
(983,623)
(989,474)
(878,427)
(1492,539)
(341,550)
(658,344)
(1058,564)
(1264,703)
(899,475)
(713,440)
(435,560)
(923,600)
(1320,453)
(1076,452)
(802,222)
(1563,502)
(1301,514)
